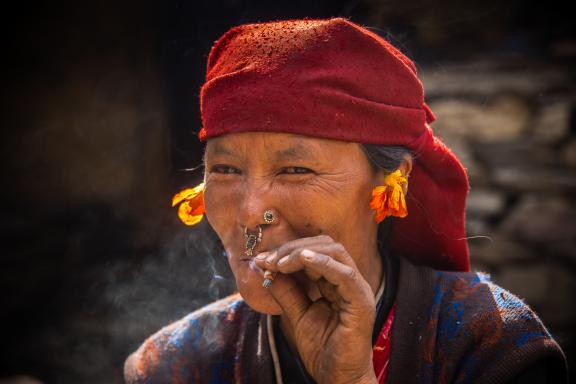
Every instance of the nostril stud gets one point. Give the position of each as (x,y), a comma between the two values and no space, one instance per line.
(268,216)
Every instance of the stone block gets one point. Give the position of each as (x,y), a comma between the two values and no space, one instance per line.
(498,250)
(505,118)
(485,202)
(534,179)
(542,218)
(521,154)
(477,227)
(530,283)
(489,77)
(552,123)
(462,150)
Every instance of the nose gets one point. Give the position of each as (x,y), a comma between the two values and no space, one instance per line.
(258,207)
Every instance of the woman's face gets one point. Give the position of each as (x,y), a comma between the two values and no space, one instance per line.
(314,186)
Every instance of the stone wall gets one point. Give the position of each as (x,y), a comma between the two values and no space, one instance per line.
(512,123)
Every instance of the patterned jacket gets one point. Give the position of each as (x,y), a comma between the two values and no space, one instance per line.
(449,327)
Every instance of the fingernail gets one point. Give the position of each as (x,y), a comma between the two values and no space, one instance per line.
(309,255)
(261,256)
(283,260)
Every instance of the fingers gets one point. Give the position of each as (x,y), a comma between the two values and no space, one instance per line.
(319,257)
(285,258)
(328,291)
(329,265)
(292,262)
(349,284)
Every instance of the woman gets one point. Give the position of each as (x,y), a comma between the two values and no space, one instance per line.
(343,220)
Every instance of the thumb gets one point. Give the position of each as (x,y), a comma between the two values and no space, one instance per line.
(290,296)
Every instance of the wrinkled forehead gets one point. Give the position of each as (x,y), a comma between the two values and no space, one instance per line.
(274,146)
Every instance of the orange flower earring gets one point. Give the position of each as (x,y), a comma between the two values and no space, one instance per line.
(191,200)
(388,199)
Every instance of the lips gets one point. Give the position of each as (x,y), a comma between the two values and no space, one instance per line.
(264,246)
(254,253)
(258,249)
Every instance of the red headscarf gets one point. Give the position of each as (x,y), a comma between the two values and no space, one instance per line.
(334,79)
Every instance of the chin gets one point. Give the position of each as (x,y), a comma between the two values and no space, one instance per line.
(249,282)
(261,301)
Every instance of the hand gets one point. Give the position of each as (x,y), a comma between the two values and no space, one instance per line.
(333,334)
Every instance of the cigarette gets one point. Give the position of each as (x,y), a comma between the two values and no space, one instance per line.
(268,278)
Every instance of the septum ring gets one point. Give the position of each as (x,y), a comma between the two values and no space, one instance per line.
(252,240)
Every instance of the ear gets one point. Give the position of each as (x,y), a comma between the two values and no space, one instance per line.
(406,167)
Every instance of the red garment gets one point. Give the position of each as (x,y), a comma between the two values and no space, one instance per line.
(335,79)
(381,350)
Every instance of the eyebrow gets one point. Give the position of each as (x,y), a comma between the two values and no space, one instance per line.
(218,149)
(295,152)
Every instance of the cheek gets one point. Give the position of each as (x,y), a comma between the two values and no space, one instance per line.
(221,209)
(344,215)
(336,211)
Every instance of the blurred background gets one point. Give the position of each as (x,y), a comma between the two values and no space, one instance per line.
(99,116)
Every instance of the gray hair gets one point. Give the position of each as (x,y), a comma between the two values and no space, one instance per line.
(386,157)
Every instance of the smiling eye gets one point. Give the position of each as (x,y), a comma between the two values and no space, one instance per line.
(225,169)
(296,170)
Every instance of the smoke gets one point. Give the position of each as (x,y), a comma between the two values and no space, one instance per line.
(139,298)
(190,271)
